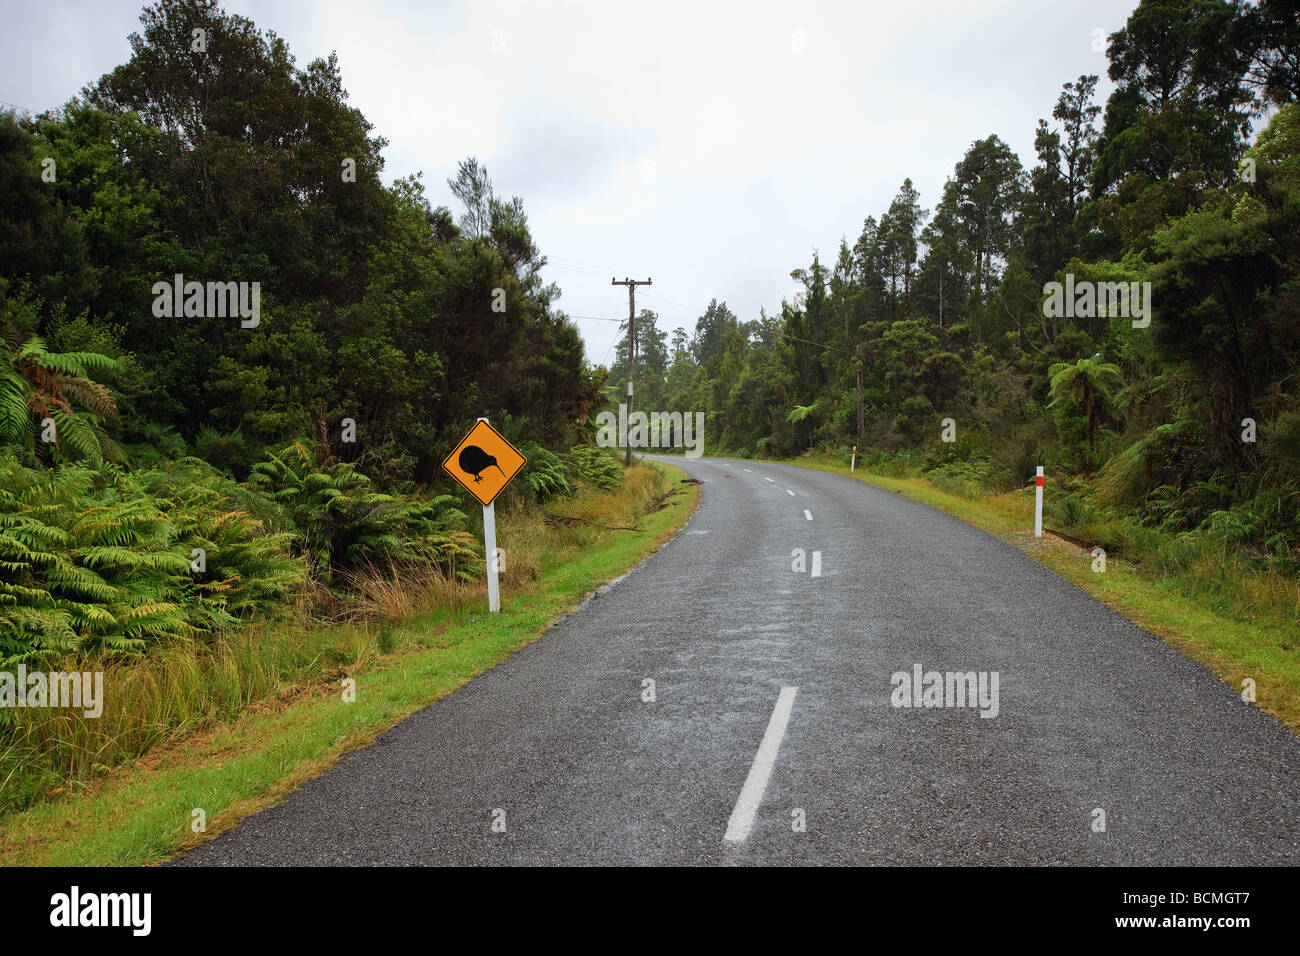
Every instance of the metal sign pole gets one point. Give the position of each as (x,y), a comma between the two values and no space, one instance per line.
(490,550)
(490,546)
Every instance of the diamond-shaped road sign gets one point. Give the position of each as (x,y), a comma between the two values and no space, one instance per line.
(484,462)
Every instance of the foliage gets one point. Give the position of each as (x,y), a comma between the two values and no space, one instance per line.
(38,386)
(343,523)
(595,466)
(95,559)
(544,472)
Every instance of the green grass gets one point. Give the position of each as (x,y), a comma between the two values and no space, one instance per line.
(141,812)
(1236,623)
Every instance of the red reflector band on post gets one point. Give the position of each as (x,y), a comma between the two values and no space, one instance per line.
(1039,481)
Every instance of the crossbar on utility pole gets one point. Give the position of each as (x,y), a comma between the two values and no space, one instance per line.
(631,350)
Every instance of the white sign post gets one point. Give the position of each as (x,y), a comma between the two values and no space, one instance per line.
(1038,503)
(490,547)
(853,459)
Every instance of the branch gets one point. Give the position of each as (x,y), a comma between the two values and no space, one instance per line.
(596,523)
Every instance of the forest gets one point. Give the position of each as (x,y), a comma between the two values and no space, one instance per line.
(949,341)
(169,471)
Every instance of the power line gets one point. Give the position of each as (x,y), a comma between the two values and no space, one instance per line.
(604,270)
(660,298)
(821,345)
(18,107)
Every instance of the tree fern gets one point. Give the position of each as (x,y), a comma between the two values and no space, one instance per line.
(36,384)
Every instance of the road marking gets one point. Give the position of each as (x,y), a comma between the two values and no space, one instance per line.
(789,492)
(765,478)
(751,794)
(817,564)
(807,514)
(751,472)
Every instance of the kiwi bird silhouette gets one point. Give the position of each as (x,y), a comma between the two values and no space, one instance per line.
(473,460)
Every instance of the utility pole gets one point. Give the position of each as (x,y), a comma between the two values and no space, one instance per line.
(941,295)
(859,403)
(631,350)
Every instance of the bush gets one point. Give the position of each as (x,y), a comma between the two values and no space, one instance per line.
(92,559)
(343,524)
(544,473)
(595,466)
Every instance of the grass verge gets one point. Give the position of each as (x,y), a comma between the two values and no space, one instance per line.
(1229,632)
(143,811)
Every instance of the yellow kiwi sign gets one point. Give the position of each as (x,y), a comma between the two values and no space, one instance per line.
(484,462)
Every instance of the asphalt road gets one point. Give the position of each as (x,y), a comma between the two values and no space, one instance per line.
(730,764)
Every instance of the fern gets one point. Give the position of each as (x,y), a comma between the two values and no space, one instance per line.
(343,523)
(36,383)
(595,466)
(544,473)
(95,559)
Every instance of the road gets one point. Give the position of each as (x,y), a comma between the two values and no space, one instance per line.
(773,735)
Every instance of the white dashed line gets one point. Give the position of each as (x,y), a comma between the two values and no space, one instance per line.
(751,472)
(789,492)
(807,514)
(817,564)
(751,794)
(765,478)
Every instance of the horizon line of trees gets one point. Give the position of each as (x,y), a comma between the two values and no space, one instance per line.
(941,311)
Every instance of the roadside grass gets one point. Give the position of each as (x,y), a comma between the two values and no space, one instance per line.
(231,731)
(1235,620)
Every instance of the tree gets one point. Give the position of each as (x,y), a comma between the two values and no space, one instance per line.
(651,361)
(1180,110)
(989,185)
(1091,384)
(710,330)
(1268,33)
(1077,113)
(905,219)
(1048,215)
(945,270)
(1226,288)
(474,189)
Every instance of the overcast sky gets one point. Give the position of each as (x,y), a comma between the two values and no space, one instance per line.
(710,146)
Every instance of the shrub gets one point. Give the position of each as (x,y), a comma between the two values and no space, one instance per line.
(544,473)
(91,559)
(595,466)
(344,524)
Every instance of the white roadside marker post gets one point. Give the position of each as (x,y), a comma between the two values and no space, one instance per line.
(1038,503)
(490,547)
(853,459)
